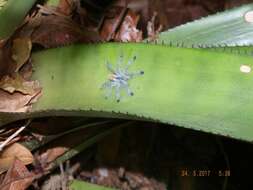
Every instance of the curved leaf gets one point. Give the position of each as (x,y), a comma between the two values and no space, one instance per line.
(82,185)
(201,90)
(12,15)
(229,28)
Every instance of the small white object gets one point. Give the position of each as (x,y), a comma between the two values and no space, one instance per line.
(103,172)
(245,69)
(10,138)
(249,16)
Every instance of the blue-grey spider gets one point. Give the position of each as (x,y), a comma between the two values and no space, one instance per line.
(119,77)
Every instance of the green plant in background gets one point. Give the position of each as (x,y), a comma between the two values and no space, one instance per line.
(80,185)
(228,29)
(12,14)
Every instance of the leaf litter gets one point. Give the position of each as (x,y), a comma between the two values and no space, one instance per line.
(12,152)
(18,177)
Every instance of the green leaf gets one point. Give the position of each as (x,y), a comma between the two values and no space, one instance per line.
(53,2)
(12,15)
(192,88)
(229,28)
(81,185)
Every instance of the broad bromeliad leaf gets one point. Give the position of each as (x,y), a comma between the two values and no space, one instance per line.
(81,185)
(12,15)
(201,90)
(230,28)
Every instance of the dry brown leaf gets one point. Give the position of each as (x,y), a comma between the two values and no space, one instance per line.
(16,83)
(55,31)
(153,32)
(17,93)
(17,102)
(51,154)
(7,65)
(128,31)
(31,23)
(9,154)
(58,147)
(15,51)
(1,43)
(66,7)
(1,60)
(17,177)
(51,28)
(113,19)
(45,10)
(21,50)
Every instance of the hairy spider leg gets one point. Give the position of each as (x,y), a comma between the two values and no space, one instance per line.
(109,67)
(120,70)
(134,74)
(130,62)
(108,87)
(119,64)
(117,90)
(127,88)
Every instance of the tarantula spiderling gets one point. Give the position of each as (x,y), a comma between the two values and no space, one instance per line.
(119,77)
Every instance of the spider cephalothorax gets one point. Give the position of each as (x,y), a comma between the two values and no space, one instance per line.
(119,77)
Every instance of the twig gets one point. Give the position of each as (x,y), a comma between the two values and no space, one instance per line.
(10,138)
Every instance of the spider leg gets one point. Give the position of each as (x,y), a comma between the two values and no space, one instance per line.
(119,64)
(105,85)
(121,57)
(108,93)
(109,67)
(134,74)
(128,90)
(108,86)
(117,92)
(130,62)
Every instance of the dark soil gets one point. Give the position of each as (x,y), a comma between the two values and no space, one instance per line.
(161,156)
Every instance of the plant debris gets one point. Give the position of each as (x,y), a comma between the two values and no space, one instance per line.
(17,178)
(122,179)
(12,152)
